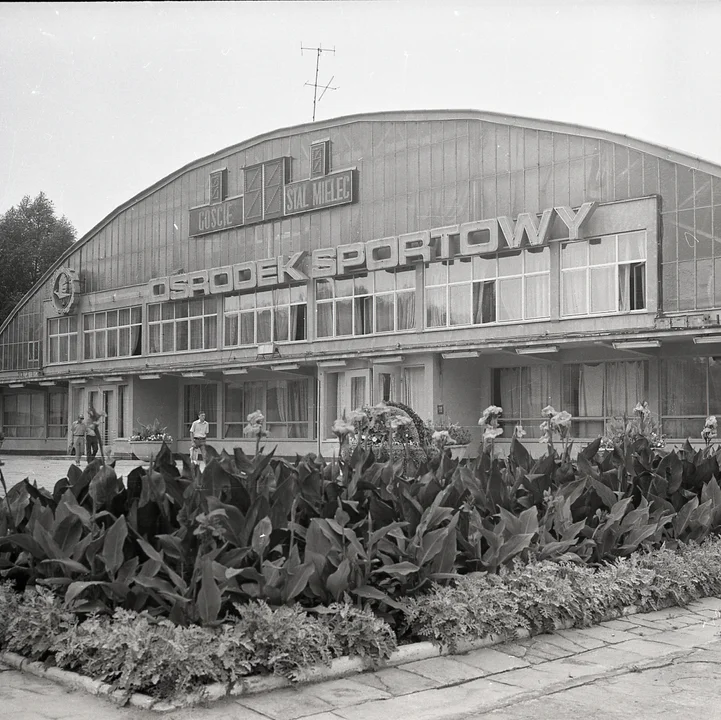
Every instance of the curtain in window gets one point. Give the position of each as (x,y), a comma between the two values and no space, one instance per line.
(510,299)
(602,285)
(253,398)
(234,420)
(357,392)
(406,308)
(590,400)
(135,344)
(537,296)
(574,292)
(436,307)
(297,322)
(344,317)
(413,381)
(484,302)
(324,319)
(298,408)
(264,319)
(626,385)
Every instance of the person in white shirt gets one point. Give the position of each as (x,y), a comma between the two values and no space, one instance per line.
(198,432)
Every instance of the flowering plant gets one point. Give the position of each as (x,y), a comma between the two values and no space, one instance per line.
(642,424)
(709,432)
(151,432)
(491,430)
(255,428)
(449,432)
(556,423)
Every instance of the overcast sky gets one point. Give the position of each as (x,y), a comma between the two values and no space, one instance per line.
(98,101)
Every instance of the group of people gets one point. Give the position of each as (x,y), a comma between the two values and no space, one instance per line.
(85,436)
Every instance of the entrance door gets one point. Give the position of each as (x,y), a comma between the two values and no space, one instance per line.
(104,400)
(357,389)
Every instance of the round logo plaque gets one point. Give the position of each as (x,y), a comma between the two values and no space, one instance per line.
(66,289)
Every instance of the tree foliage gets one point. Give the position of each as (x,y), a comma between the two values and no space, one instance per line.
(32,238)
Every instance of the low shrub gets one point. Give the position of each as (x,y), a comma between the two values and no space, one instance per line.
(358,632)
(282,640)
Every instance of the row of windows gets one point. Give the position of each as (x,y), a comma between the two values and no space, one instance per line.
(596,392)
(35,415)
(597,276)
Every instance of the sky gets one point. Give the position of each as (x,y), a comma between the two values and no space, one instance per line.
(98,101)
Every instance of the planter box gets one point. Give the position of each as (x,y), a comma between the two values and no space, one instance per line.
(140,449)
(458,452)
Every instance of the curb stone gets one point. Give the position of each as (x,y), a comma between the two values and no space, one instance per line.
(338,668)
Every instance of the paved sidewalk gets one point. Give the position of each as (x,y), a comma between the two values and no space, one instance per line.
(665,664)
(47,470)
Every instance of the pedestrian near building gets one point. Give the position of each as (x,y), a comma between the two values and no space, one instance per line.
(79,430)
(198,432)
(93,433)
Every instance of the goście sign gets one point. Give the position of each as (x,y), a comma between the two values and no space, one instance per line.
(480,237)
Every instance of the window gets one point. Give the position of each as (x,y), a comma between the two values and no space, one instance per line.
(115,333)
(522,392)
(278,315)
(596,392)
(123,411)
(196,398)
(604,275)
(413,389)
(63,339)
(284,403)
(57,414)
(377,302)
(24,415)
(482,290)
(183,325)
(690,392)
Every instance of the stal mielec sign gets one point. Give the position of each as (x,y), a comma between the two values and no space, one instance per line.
(268,195)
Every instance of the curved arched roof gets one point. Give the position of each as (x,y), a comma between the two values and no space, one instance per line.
(659,151)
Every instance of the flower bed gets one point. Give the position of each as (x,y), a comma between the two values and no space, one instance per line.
(361,553)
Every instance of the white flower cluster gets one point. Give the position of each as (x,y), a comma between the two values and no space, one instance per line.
(710,429)
(555,422)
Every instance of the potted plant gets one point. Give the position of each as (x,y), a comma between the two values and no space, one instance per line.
(147,439)
(445,433)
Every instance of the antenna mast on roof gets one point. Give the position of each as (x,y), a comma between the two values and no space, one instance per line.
(318,50)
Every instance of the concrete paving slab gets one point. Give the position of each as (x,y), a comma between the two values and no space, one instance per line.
(340,693)
(492,660)
(397,681)
(606,634)
(444,670)
(457,701)
(609,657)
(691,637)
(580,639)
(286,704)
(647,648)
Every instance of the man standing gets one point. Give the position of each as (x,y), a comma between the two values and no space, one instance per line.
(93,433)
(79,429)
(198,432)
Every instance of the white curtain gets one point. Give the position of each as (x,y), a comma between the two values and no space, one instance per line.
(413,381)
(406,308)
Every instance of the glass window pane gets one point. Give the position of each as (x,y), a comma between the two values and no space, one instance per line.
(460,304)
(344,287)
(602,250)
(280,330)
(484,268)
(632,246)
(323,289)
(538,296)
(406,279)
(181,335)
(168,331)
(537,260)
(211,331)
(436,274)
(574,301)
(684,386)
(603,289)
(714,386)
(510,264)
(510,299)
(574,254)
(112,343)
(626,385)
(247,328)
(231,330)
(324,319)
(344,317)
(363,308)
(459,271)
(124,342)
(406,308)
(384,312)
(436,307)
(264,321)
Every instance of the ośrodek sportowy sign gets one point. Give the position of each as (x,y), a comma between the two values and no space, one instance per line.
(480,237)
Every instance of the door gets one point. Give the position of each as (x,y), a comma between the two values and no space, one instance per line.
(357,389)
(386,379)
(104,400)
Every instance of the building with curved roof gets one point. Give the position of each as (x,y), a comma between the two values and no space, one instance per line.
(445,259)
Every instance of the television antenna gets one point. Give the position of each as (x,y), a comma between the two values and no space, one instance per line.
(318,51)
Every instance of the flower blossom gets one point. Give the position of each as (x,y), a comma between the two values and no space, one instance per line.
(491,433)
(490,415)
(341,428)
(548,411)
(518,431)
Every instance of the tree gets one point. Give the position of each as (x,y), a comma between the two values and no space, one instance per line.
(32,238)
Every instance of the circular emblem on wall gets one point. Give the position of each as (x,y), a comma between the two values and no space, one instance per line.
(66,289)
